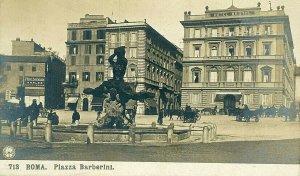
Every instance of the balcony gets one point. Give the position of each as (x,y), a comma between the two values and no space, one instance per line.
(277,57)
(233,85)
(70,84)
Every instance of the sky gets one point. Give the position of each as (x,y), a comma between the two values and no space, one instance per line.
(45,21)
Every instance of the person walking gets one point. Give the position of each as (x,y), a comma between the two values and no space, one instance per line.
(160,116)
(75,116)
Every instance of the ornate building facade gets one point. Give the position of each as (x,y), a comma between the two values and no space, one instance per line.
(154,63)
(238,55)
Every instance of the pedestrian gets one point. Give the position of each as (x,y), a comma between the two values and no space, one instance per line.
(171,114)
(75,116)
(40,106)
(34,112)
(53,117)
(160,116)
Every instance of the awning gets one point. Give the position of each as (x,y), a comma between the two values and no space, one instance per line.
(97,101)
(150,103)
(72,100)
(130,104)
(221,95)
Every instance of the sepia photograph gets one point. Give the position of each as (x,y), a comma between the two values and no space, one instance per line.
(149,87)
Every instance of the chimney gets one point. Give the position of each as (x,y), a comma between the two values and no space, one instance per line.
(18,39)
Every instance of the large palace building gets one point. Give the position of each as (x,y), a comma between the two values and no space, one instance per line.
(154,63)
(238,55)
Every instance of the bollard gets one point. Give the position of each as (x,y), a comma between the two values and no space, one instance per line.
(190,129)
(170,133)
(13,128)
(131,134)
(205,134)
(48,132)
(19,126)
(30,130)
(153,125)
(90,134)
(210,133)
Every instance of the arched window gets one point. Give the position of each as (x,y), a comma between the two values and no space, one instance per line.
(230,74)
(266,73)
(196,72)
(247,74)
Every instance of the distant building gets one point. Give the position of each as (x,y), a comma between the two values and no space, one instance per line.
(238,55)
(297,89)
(32,73)
(153,62)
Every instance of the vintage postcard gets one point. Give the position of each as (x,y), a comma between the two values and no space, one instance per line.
(140,87)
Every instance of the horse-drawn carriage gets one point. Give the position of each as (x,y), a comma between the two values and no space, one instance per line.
(189,115)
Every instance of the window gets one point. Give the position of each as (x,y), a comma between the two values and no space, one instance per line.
(73,60)
(132,52)
(21,68)
(197,33)
(111,51)
(230,75)
(74,35)
(267,49)
(73,49)
(33,68)
(247,75)
(248,51)
(86,76)
(266,99)
(247,99)
(99,60)
(231,31)
(20,80)
(72,76)
(87,35)
(99,76)
(231,50)
(8,67)
(266,74)
(214,32)
(87,49)
(214,51)
(100,34)
(133,37)
(197,51)
(113,38)
(100,49)
(267,30)
(123,38)
(196,75)
(132,72)
(213,76)
(86,60)
(248,30)
(195,98)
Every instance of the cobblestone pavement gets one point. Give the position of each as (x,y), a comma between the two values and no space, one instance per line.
(228,129)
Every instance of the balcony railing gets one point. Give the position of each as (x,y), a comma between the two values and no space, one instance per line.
(70,84)
(233,84)
(233,57)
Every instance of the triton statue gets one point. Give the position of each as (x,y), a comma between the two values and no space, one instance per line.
(119,92)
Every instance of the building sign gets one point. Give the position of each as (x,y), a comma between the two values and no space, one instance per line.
(241,13)
(34,81)
(73,95)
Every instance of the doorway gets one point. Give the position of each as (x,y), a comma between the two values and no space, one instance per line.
(85,104)
(229,104)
